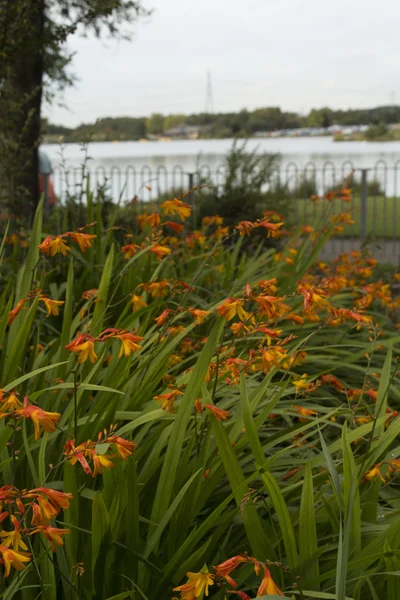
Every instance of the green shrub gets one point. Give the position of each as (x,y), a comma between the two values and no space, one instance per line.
(260,394)
(242,194)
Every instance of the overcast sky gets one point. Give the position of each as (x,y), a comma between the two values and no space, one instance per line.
(296,54)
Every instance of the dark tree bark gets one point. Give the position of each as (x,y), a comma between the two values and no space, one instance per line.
(32,45)
(26,87)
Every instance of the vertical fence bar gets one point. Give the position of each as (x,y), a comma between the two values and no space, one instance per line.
(363,205)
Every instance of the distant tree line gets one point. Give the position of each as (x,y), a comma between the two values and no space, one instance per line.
(220,125)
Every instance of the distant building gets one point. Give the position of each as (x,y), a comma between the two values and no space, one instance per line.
(184,132)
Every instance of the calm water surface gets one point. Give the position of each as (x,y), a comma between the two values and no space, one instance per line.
(191,152)
(129,166)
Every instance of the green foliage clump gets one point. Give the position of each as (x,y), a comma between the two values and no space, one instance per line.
(247,402)
(246,191)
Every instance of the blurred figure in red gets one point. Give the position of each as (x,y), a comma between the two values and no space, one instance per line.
(45,182)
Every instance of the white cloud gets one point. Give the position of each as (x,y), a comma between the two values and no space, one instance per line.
(292,53)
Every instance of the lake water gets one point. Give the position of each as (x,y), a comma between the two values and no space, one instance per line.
(129,166)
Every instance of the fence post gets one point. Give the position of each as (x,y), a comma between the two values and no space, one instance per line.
(363,205)
(191,196)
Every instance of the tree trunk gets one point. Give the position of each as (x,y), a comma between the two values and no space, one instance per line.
(23,123)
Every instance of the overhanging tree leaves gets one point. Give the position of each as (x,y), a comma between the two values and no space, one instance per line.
(33,57)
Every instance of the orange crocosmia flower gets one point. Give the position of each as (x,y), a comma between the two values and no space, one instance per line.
(51,305)
(57,500)
(268,285)
(247,291)
(268,304)
(354,394)
(199,315)
(219,413)
(162,319)
(270,333)
(177,227)
(346,218)
(245,227)
(291,473)
(167,399)
(213,220)
(15,311)
(138,302)
(124,447)
(90,294)
(53,534)
(153,220)
(39,417)
(77,454)
(330,379)
(358,316)
(129,343)
(198,406)
(268,586)
(394,464)
(175,206)
(313,298)
(299,320)
(231,307)
(88,449)
(363,420)
(52,246)
(12,558)
(187,346)
(296,359)
(311,316)
(272,215)
(272,357)
(272,228)
(330,195)
(100,462)
(307,229)
(157,289)
(84,240)
(374,472)
(221,232)
(225,568)
(301,383)
(160,251)
(195,237)
(84,345)
(345,194)
(130,250)
(238,328)
(171,240)
(13,538)
(305,412)
(197,585)
(20,507)
(10,404)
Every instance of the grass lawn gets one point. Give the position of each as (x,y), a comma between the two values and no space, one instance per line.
(383,214)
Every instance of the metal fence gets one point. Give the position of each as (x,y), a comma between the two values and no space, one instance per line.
(375,200)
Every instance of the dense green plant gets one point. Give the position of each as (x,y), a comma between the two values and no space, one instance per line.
(244,191)
(286,474)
